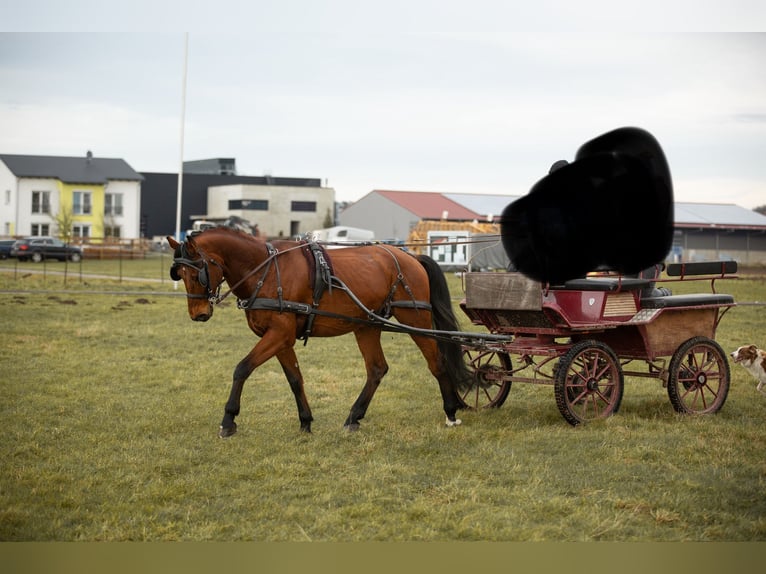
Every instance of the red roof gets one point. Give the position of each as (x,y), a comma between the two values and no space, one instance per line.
(429,205)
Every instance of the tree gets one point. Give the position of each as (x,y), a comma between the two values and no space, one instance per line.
(761,209)
(327,219)
(64,220)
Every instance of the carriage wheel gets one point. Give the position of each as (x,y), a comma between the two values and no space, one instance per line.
(491,380)
(589,382)
(698,382)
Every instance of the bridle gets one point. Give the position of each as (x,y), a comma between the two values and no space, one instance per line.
(203,273)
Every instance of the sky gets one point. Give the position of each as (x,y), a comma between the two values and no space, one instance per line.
(455,97)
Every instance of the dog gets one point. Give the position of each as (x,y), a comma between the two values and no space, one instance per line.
(754,360)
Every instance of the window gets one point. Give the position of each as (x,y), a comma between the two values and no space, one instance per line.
(113,204)
(254,204)
(112,231)
(41,229)
(41,202)
(303,206)
(81,204)
(79,230)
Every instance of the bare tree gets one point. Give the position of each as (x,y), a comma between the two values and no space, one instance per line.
(64,220)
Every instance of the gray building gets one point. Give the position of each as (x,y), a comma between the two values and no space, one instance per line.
(713,231)
(703,231)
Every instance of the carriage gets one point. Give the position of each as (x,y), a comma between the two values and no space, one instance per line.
(586,335)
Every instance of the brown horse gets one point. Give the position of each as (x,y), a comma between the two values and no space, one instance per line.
(290,290)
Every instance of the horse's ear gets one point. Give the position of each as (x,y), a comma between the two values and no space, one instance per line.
(173,243)
(191,246)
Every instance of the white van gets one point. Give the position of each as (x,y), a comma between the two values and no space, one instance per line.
(342,234)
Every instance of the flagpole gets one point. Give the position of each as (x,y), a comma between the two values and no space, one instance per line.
(179,193)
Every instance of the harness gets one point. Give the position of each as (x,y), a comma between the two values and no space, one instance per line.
(321,278)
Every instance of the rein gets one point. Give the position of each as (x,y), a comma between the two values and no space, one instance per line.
(254,302)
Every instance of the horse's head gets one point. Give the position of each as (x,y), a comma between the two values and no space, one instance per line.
(202,277)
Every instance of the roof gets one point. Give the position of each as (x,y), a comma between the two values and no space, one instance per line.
(86,169)
(469,206)
(429,205)
(483,205)
(717,214)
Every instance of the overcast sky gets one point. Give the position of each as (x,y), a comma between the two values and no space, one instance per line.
(465,97)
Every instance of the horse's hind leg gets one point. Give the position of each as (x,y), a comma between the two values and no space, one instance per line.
(289,363)
(436,365)
(368,341)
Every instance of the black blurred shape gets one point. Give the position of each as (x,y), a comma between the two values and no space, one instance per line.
(612,207)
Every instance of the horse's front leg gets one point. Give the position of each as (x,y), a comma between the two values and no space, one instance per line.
(243,370)
(267,347)
(292,371)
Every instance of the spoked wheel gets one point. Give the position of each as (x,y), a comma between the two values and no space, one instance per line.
(491,379)
(588,383)
(698,382)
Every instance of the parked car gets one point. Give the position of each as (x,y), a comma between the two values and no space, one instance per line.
(39,248)
(5,248)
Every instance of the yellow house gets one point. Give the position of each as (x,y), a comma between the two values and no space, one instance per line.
(85,203)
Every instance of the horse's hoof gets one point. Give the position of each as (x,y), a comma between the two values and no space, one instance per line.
(353,427)
(454,423)
(227,432)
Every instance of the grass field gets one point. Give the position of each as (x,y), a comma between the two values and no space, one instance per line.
(111,404)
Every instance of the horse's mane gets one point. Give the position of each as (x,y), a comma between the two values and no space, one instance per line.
(231,232)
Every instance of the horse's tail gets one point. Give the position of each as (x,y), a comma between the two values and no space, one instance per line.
(443,318)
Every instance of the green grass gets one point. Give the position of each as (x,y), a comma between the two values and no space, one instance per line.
(111,405)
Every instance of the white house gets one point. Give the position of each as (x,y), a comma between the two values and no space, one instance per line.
(101,197)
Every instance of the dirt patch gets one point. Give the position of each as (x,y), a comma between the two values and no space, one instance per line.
(58,299)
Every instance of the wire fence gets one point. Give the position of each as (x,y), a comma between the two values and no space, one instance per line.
(122,267)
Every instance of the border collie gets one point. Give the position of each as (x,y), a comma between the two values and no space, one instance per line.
(754,360)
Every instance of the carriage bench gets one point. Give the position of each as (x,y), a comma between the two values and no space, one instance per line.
(698,270)
(609,284)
